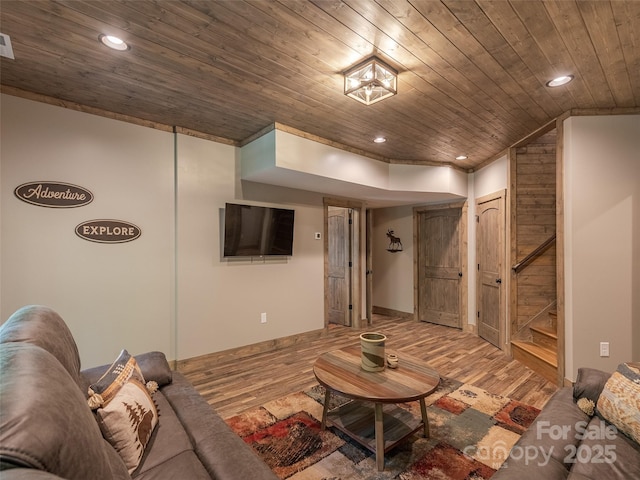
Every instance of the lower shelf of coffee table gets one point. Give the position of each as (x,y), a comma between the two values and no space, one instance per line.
(357,420)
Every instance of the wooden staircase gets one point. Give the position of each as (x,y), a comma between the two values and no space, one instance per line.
(538,349)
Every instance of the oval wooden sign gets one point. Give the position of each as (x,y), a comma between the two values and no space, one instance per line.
(108,231)
(53,194)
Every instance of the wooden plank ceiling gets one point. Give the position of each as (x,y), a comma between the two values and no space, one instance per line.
(472,73)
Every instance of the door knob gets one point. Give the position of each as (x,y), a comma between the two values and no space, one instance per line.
(498,280)
(460,274)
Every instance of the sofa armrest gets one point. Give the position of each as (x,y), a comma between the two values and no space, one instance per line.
(223,453)
(589,384)
(154,366)
(541,451)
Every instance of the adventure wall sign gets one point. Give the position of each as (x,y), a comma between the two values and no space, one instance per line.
(108,231)
(54,194)
(67,195)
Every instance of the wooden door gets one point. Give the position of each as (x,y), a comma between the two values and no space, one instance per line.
(339,271)
(369,266)
(440,267)
(490,259)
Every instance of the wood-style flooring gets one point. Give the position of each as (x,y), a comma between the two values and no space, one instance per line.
(232,384)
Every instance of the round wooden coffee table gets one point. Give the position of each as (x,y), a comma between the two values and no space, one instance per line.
(373,420)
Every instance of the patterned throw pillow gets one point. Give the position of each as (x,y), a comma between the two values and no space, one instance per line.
(125,411)
(619,402)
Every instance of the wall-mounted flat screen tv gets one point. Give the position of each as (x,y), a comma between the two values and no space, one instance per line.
(253,231)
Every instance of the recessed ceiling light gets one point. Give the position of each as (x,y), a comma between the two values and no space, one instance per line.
(461,157)
(379,140)
(114,42)
(6,50)
(557,82)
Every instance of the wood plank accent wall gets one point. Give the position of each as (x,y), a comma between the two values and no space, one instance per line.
(534,221)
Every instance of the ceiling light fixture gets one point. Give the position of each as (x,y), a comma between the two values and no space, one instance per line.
(370,81)
(379,140)
(461,157)
(559,81)
(114,42)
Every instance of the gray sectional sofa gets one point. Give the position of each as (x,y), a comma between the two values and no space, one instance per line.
(564,442)
(48,431)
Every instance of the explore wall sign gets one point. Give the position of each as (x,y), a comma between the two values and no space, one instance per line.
(108,231)
(53,194)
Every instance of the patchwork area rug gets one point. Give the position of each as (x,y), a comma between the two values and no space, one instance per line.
(472,432)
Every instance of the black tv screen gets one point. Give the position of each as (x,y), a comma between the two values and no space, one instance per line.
(252,231)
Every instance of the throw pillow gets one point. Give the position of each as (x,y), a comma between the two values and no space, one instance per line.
(124,408)
(619,402)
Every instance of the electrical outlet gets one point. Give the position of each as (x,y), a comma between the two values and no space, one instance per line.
(604,349)
(263,317)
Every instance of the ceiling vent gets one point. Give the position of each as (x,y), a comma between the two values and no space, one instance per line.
(5,47)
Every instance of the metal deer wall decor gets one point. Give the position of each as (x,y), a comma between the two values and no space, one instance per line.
(395,244)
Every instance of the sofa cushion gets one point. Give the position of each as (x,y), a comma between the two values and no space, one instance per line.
(119,470)
(41,326)
(125,411)
(619,402)
(223,453)
(185,465)
(45,422)
(168,440)
(605,454)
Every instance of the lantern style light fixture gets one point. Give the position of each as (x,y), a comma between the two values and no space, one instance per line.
(370,81)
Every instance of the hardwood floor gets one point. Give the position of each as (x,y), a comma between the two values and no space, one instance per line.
(233,384)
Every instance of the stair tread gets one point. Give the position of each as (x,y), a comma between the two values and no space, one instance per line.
(545,354)
(545,330)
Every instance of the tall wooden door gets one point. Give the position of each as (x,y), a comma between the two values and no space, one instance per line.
(339,266)
(490,259)
(440,267)
(369,266)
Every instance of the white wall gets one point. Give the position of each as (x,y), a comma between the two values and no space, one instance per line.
(112,296)
(602,240)
(152,293)
(220,301)
(491,178)
(393,272)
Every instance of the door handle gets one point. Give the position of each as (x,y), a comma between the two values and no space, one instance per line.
(498,280)
(460,274)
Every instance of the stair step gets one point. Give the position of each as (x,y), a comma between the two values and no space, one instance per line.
(545,354)
(545,336)
(539,358)
(545,330)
